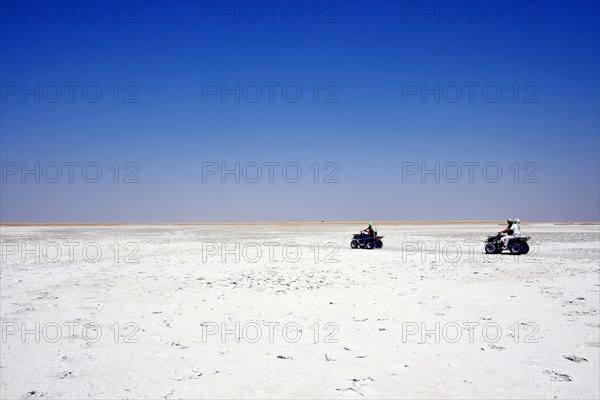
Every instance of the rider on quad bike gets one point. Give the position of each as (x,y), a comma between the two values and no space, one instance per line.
(370,231)
(508,239)
(367,238)
(512,231)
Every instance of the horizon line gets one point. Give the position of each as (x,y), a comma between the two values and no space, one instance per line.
(400,222)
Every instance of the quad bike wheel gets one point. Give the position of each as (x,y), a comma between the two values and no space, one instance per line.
(354,244)
(370,244)
(490,248)
(378,244)
(525,249)
(515,248)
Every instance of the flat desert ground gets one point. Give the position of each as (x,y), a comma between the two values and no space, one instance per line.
(291,311)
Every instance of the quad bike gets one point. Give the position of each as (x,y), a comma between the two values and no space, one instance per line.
(365,241)
(516,245)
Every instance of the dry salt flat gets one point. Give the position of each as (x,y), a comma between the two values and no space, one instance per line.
(289,310)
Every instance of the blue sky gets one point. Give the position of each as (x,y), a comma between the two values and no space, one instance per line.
(179,83)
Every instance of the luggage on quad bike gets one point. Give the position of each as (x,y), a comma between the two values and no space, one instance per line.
(366,242)
(516,245)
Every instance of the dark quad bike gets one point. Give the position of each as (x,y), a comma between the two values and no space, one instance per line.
(516,246)
(366,242)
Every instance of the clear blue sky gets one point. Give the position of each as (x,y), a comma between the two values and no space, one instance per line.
(370,62)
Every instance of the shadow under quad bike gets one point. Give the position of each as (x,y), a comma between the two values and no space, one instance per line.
(365,241)
(516,245)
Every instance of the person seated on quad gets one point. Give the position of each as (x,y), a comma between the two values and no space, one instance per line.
(513,230)
(369,232)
